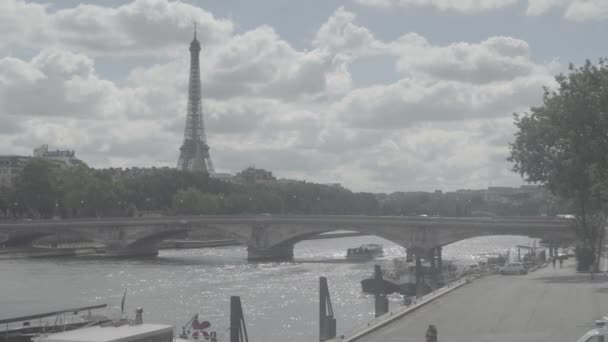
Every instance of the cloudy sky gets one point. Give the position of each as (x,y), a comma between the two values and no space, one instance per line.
(379,95)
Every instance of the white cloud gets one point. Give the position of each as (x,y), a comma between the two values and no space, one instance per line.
(21,22)
(340,35)
(55,83)
(495,59)
(575,10)
(537,7)
(409,102)
(266,102)
(459,81)
(466,6)
(587,10)
(152,27)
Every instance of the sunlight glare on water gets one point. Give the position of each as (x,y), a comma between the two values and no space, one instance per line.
(280,300)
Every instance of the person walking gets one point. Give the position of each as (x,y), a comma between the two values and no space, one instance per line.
(553,261)
(431,334)
(561,262)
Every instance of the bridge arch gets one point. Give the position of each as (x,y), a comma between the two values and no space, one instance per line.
(25,238)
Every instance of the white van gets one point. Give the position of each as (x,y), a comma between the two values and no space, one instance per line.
(599,334)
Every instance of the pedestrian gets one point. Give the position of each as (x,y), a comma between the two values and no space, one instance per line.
(561,262)
(431,334)
(553,260)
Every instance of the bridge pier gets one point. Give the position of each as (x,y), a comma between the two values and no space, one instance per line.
(282,252)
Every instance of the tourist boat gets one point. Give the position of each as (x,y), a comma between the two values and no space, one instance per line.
(489,261)
(402,278)
(25,328)
(365,252)
(125,330)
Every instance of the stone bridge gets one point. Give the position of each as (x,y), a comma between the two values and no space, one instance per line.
(274,236)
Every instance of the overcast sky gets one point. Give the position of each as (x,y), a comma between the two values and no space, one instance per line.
(379,95)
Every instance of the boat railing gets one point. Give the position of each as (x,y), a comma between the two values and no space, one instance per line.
(46,321)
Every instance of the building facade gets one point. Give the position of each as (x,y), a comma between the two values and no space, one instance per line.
(252,175)
(63,158)
(11,165)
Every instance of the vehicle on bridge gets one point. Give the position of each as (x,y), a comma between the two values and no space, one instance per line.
(513,268)
(365,252)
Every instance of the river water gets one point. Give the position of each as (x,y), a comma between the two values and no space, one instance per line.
(280,300)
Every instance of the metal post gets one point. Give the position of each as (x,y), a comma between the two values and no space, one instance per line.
(380,300)
(518,254)
(409,255)
(439,260)
(327,322)
(238,331)
(419,275)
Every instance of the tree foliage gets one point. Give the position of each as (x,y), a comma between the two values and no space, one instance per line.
(563,143)
(85,192)
(192,201)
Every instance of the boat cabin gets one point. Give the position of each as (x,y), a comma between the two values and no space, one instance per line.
(144,332)
(368,251)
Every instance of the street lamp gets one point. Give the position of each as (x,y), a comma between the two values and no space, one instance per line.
(81,207)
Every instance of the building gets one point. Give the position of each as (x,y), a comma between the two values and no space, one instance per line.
(290,181)
(226,177)
(64,158)
(506,194)
(11,166)
(252,175)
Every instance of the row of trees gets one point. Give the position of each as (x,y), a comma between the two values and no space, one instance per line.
(43,190)
(563,145)
(472,203)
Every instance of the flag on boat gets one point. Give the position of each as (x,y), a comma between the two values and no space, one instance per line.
(196,325)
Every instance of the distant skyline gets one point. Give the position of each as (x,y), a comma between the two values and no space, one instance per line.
(378,95)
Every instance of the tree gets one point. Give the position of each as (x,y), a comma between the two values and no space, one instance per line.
(36,187)
(4,201)
(192,201)
(563,145)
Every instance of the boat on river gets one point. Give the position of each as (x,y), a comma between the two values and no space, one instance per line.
(25,328)
(402,278)
(365,252)
(126,330)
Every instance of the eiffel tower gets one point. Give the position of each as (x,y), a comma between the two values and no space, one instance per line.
(194,152)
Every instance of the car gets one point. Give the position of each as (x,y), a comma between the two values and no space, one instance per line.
(513,268)
(598,334)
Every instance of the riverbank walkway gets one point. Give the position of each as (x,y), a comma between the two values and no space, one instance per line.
(547,305)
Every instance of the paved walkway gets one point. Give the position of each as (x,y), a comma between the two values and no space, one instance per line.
(546,305)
